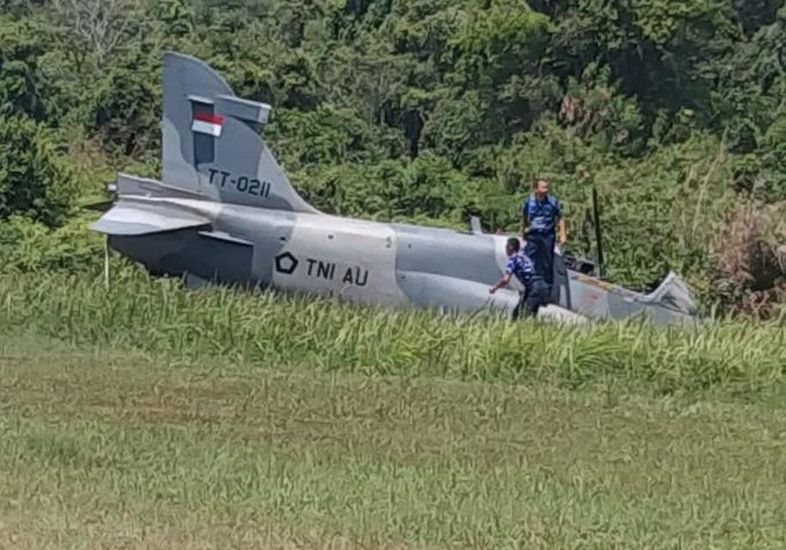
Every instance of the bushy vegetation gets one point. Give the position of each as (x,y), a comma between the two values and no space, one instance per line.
(35,181)
(431,110)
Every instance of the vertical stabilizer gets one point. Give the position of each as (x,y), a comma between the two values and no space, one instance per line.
(212,142)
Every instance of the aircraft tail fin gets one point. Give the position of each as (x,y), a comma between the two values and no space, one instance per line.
(212,144)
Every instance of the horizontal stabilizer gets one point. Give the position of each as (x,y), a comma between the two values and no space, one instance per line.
(137,219)
(146,187)
(250,111)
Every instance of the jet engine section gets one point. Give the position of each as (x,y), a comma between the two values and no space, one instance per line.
(211,256)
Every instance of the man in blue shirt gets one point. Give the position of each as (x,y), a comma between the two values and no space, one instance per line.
(520,265)
(542,215)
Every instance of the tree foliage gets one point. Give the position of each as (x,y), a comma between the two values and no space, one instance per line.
(34,178)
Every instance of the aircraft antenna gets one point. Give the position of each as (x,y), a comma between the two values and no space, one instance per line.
(598,235)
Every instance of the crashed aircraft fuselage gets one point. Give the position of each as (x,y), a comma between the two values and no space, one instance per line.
(224,211)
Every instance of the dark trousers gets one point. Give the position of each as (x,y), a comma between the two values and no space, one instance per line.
(540,249)
(534,296)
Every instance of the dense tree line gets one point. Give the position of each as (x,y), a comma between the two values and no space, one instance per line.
(432,110)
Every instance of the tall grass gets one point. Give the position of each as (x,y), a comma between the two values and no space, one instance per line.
(159,316)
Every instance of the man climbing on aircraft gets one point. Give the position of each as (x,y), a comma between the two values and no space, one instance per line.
(542,214)
(520,265)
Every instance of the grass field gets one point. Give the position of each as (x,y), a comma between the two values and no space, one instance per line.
(146,417)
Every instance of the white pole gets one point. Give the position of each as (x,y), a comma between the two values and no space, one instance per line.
(106,261)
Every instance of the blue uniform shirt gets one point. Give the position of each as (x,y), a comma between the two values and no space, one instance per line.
(542,215)
(522,267)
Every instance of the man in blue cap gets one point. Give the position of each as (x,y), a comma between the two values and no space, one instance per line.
(535,290)
(542,216)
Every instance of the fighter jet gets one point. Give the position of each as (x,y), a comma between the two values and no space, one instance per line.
(225,212)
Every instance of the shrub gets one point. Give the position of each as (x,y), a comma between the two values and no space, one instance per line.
(35,181)
(749,260)
(29,246)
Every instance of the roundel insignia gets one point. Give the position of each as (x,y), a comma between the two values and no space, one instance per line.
(286,263)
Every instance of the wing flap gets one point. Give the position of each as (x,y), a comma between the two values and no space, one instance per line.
(134,219)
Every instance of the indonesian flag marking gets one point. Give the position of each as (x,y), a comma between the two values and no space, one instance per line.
(207,123)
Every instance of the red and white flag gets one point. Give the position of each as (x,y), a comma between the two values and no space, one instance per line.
(207,123)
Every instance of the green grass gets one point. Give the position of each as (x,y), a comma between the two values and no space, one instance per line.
(159,317)
(146,416)
(103,448)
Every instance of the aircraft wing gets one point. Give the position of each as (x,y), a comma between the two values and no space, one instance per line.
(131,219)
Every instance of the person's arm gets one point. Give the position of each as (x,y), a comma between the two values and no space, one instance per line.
(501,283)
(563,237)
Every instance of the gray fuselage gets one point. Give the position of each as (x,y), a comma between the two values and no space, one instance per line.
(363,261)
